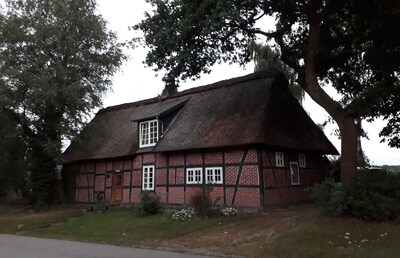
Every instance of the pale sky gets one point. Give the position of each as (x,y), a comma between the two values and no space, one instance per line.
(136,82)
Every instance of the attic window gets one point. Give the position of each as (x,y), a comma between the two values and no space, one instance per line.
(279,159)
(302,160)
(148,134)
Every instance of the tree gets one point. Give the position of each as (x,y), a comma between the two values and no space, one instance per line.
(56,62)
(12,152)
(348,44)
(265,57)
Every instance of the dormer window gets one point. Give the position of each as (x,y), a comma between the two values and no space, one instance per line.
(148,133)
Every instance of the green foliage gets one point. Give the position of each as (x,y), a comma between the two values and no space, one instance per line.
(214,213)
(150,203)
(374,196)
(56,62)
(266,57)
(347,44)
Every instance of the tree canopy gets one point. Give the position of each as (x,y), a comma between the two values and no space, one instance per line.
(348,44)
(56,62)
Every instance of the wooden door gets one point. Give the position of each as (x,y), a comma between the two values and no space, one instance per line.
(117,188)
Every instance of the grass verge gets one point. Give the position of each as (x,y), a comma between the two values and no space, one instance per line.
(335,237)
(127,228)
(14,219)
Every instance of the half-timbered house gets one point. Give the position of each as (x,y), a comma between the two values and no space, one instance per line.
(247,136)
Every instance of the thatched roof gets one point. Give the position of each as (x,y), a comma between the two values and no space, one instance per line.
(256,109)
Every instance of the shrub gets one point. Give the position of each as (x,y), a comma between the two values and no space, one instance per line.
(229,212)
(376,195)
(183,215)
(331,196)
(201,200)
(214,213)
(150,203)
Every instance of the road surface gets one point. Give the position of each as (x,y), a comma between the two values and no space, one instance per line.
(28,247)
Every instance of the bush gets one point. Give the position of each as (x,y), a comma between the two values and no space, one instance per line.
(183,215)
(376,196)
(150,203)
(214,213)
(229,212)
(201,201)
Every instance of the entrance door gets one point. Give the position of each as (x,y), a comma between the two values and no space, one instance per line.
(117,187)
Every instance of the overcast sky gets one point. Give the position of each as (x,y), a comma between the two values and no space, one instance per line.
(136,82)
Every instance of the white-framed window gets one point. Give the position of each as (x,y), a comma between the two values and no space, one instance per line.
(148,178)
(302,160)
(294,173)
(148,133)
(194,175)
(214,175)
(280,162)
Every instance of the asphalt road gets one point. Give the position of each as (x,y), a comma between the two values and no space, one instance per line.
(28,247)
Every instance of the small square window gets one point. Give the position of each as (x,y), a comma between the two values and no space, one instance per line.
(148,178)
(214,175)
(294,173)
(302,160)
(279,159)
(194,176)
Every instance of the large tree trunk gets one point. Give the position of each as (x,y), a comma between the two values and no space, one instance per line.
(309,81)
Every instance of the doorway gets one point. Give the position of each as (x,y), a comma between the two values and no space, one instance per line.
(117,187)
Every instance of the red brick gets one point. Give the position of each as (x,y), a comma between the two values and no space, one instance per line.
(180,176)
(176,160)
(176,195)
(161,160)
(247,197)
(149,158)
(109,165)
(217,195)
(127,164)
(127,179)
(233,156)
(162,192)
(194,159)
(229,195)
(99,184)
(272,197)
(125,195)
(108,194)
(135,195)
(249,175)
(118,165)
(161,176)
(136,178)
(251,156)
(137,162)
(213,158)
(82,180)
(269,178)
(231,173)
(91,180)
(90,167)
(100,167)
(109,179)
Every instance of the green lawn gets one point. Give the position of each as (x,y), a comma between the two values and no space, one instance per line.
(247,234)
(337,237)
(14,218)
(126,227)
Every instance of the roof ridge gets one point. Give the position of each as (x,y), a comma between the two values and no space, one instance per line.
(271,73)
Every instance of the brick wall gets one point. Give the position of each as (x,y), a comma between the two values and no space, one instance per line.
(277,180)
(244,184)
